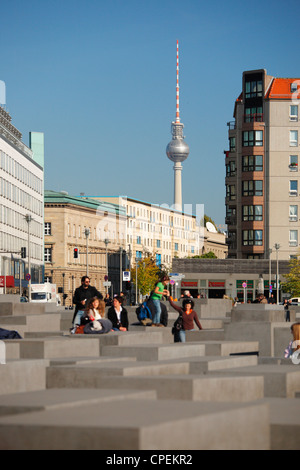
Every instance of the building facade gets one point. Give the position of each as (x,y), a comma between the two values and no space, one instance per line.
(241,278)
(93,227)
(166,233)
(262,194)
(21,206)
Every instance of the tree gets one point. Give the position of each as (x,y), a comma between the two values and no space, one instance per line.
(210,254)
(148,274)
(292,284)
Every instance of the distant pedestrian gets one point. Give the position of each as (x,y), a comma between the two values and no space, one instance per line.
(287,311)
(271,299)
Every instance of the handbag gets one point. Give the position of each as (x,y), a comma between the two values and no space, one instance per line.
(178,325)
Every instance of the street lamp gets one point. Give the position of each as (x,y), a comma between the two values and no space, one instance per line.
(136,280)
(28,219)
(106,241)
(277,246)
(87,234)
(270,275)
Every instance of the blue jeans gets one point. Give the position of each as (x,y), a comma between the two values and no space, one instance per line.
(77,319)
(182,337)
(156,318)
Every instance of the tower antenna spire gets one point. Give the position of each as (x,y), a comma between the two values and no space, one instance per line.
(177,85)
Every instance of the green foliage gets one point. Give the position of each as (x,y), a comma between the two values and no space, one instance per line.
(148,273)
(292,284)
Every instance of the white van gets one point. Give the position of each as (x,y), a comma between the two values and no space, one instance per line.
(295,300)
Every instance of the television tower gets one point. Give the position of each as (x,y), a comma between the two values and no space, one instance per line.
(177,150)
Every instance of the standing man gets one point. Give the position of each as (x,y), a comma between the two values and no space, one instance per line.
(81,296)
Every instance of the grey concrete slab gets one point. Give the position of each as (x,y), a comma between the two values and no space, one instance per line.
(45,348)
(179,387)
(224,348)
(132,425)
(155,352)
(280,381)
(61,361)
(22,376)
(203,365)
(273,337)
(21,308)
(284,423)
(52,399)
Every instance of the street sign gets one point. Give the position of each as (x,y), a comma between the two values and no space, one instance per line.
(107,284)
(271,288)
(106,277)
(27,277)
(244,285)
(172,282)
(176,276)
(126,276)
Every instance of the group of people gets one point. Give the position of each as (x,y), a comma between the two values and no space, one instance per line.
(89,315)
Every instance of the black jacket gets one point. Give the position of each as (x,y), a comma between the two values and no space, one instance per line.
(112,316)
(81,294)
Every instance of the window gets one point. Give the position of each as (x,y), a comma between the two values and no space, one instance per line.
(252,237)
(293,138)
(138,240)
(293,213)
(293,162)
(253,114)
(230,169)
(293,188)
(232,144)
(251,213)
(293,238)
(138,254)
(230,192)
(47,228)
(176,246)
(157,243)
(48,255)
(294,87)
(294,112)
(253,89)
(252,163)
(252,138)
(252,188)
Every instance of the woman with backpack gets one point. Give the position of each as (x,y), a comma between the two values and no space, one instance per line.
(187,317)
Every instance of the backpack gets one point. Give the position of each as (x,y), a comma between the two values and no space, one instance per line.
(143,312)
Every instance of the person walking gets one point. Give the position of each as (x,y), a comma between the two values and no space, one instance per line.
(189,316)
(82,294)
(159,291)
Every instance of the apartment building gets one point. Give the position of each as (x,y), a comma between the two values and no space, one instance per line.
(21,205)
(262,194)
(166,233)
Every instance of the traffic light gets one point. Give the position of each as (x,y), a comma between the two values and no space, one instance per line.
(128,285)
(23,252)
(76,252)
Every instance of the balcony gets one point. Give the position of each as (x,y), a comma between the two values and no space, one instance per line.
(231,125)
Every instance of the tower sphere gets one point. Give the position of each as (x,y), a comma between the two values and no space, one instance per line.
(177,150)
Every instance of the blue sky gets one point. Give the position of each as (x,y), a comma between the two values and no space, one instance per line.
(99,79)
